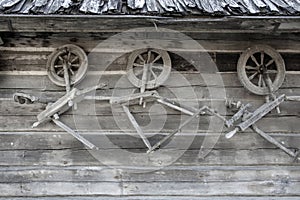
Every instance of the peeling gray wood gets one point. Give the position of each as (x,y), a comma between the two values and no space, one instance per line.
(184,174)
(132,188)
(141,197)
(208,188)
(118,80)
(170,7)
(138,158)
(46,162)
(61,140)
(136,4)
(59,188)
(40,3)
(9,3)
(63,23)
(107,123)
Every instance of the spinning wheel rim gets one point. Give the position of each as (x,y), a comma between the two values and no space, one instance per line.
(265,58)
(159,56)
(76,60)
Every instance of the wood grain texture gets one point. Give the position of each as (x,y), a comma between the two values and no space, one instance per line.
(50,164)
(65,23)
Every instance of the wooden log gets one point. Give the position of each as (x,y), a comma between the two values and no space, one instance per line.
(98,36)
(160,123)
(123,158)
(59,188)
(118,79)
(58,174)
(62,140)
(10,108)
(184,174)
(210,188)
(131,188)
(64,23)
(142,197)
(123,45)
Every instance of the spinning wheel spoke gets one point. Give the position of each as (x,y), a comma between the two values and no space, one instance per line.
(270,63)
(141,58)
(259,80)
(74,59)
(250,67)
(72,72)
(75,65)
(159,67)
(60,58)
(149,57)
(137,65)
(156,59)
(60,72)
(153,74)
(253,76)
(262,57)
(69,55)
(58,66)
(254,60)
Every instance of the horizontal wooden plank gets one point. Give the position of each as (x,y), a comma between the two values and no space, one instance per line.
(62,140)
(139,158)
(194,174)
(118,79)
(10,108)
(152,124)
(177,45)
(165,197)
(181,189)
(181,61)
(112,24)
(71,174)
(211,188)
(99,36)
(59,189)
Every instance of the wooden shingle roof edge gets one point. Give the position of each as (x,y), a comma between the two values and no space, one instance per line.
(152,7)
(119,23)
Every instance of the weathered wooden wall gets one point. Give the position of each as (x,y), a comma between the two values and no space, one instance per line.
(47,162)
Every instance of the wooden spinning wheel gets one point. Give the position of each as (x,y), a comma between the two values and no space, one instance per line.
(261,69)
(70,58)
(149,68)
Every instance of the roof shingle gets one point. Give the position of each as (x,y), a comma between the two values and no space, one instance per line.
(152,7)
